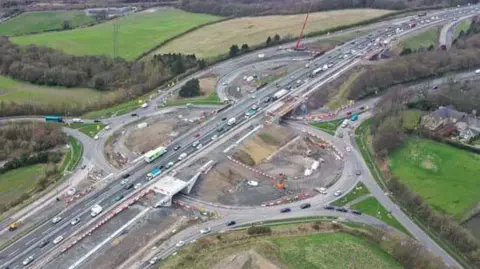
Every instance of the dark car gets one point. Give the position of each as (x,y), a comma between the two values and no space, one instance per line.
(220,129)
(133,114)
(356,212)
(128,186)
(224,119)
(176,148)
(285,210)
(161,167)
(197,134)
(329,207)
(267,100)
(43,243)
(231,223)
(126,175)
(119,197)
(362,108)
(342,209)
(307,205)
(349,113)
(96,121)
(358,172)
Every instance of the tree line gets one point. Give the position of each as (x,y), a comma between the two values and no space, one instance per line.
(240,8)
(388,134)
(26,138)
(26,160)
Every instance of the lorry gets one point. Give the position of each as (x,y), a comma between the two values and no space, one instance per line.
(279,94)
(77,120)
(231,121)
(154,154)
(96,209)
(316,71)
(155,172)
(53,118)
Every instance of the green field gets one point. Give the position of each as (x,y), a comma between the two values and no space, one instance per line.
(411,118)
(359,191)
(22,92)
(464,26)
(137,33)
(211,99)
(328,126)
(89,129)
(423,39)
(372,207)
(36,22)
(215,39)
(16,182)
(446,177)
(325,250)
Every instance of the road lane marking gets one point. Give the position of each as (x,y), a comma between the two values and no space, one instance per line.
(47,231)
(28,243)
(14,252)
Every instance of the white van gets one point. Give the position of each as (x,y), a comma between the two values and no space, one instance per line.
(231,121)
(182,156)
(57,240)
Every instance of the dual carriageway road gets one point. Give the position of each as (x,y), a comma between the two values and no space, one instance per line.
(341,56)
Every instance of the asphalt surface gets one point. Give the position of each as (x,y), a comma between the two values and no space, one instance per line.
(447,32)
(341,56)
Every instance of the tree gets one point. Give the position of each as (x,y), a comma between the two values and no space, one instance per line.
(276,38)
(245,48)
(269,41)
(190,89)
(233,51)
(66,25)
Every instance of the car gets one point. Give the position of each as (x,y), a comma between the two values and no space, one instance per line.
(83,167)
(123,182)
(341,209)
(137,185)
(348,149)
(214,137)
(57,240)
(56,220)
(96,137)
(75,221)
(197,134)
(170,164)
(127,175)
(321,190)
(329,207)
(161,167)
(28,260)
(349,113)
(285,210)
(267,100)
(195,144)
(362,108)
(118,197)
(43,243)
(338,193)
(356,212)
(128,186)
(224,118)
(220,129)
(134,114)
(199,146)
(205,230)
(231,223)
(358,172)
(253,96)
(154,260)
(96,121)
(176,148)
(180,244)
(252,183)
(307,205)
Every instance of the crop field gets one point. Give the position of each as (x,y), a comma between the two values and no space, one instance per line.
(22,92)
(216,39)
(16,182)
(137,33)
(446,177)
(327,250)
(36,22)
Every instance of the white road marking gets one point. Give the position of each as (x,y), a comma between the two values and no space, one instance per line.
(28,243)
(47,231)
(14,252)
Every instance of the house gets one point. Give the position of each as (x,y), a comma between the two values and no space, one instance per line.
(446,120)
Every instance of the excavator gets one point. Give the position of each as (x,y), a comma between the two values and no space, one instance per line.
(281,182)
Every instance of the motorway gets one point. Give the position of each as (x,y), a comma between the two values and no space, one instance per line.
(339,57)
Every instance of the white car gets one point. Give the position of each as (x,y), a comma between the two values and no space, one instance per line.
(154,260)
(205,230)
(252,183)
(57,240)
(137,185)
(322,190)
(214,137)
(348,149)
(180,244)
(96,137)
(123,182)
(56,220)
(75,221)
(199,146)
(27,260)
(338,193)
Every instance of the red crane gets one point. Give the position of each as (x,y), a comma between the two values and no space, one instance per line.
(298,46)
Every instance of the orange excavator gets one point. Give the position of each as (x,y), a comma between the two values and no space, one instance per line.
(281,182)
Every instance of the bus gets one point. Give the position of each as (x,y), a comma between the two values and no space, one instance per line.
(54,118)
(154,154)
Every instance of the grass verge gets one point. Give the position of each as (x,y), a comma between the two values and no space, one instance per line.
(90,129)
(210,99)
(328,126)
(359,191)
(372,207)
(73,156)
(424,39)
(464,26)
(137,33)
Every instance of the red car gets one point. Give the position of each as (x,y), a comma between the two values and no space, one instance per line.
(349,113)
(197,135)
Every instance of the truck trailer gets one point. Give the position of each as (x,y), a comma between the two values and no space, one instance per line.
(279,94)
(154,173)
(154,154)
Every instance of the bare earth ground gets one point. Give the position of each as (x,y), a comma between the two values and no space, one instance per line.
(245,260)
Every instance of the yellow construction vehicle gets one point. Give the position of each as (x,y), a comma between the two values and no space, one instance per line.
(15,225)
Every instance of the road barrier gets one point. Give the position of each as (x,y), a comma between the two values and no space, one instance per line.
(330,144)
(251,168)
(289,199)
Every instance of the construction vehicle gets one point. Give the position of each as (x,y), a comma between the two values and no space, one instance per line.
(12,227)
(298,46)
(281,182)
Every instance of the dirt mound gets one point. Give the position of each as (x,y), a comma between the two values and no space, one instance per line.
(245,260)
